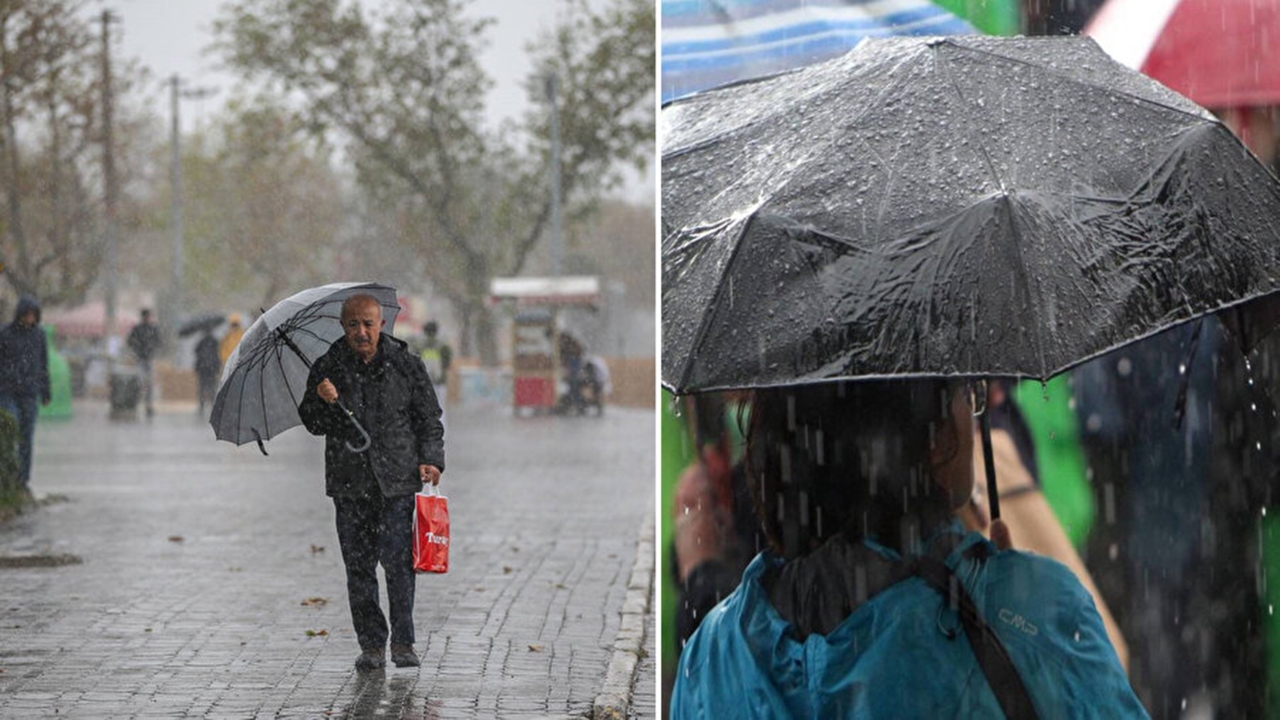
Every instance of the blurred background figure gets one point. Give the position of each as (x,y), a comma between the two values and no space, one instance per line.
(144,343)
(230,339)
(24,380)
(208,367)
(437,356)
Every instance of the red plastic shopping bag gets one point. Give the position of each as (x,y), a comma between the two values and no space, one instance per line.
(431,532)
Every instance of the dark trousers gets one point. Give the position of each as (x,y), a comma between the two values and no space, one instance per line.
(24,409)
(375,529)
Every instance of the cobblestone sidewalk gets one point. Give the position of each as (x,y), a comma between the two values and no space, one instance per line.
(209,581)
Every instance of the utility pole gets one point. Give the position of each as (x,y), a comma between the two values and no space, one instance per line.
(109,181)
(553,82)
(175,175)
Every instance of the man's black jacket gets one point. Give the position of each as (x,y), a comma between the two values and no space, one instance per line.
(393,399)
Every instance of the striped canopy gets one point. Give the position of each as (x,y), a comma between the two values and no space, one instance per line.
(708,43)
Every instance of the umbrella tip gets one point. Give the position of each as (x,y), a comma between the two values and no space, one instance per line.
(258,437)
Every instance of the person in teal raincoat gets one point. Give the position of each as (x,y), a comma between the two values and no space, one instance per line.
(854,484)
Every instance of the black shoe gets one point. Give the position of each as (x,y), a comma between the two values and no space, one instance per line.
(404,656)
(371,660)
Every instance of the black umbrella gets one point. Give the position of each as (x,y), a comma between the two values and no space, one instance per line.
(960,206)
(200,323)
(948,206)
(265,376)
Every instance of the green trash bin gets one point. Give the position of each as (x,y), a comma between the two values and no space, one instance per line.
(59,407)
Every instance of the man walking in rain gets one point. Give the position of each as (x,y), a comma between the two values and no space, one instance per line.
(387,390)
(24,379)
(144,341)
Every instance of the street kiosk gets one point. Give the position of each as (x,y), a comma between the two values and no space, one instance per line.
(537,362)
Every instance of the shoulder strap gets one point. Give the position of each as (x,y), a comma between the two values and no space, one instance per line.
(992,656)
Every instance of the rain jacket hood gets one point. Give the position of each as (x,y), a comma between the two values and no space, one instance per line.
(901,654)
(27,304)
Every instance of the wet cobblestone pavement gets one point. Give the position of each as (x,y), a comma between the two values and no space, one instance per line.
(211,584)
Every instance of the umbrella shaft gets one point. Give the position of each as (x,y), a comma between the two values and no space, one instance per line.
(288,341)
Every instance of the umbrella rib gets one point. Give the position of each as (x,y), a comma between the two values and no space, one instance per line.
(964,105)
(1020,270)
(704,326)
(1077,81)
(239,406)
(262,397)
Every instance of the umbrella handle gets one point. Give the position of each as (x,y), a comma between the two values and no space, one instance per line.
(367,440)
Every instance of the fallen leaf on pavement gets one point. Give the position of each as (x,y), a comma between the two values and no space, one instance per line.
(316,602)
(175,538)
(317,633)
(535,648)
(506,569)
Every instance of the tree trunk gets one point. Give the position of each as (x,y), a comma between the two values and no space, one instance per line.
(17,270)
(485,340)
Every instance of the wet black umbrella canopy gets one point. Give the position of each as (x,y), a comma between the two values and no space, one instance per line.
(961,206)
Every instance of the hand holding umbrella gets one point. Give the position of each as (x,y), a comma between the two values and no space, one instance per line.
(329,394)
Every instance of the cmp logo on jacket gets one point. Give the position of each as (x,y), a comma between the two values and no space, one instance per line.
(1018,622)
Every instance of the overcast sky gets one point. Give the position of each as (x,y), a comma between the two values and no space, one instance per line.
(168,36)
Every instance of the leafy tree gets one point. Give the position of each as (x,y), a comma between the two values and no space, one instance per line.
(405,90)
(262,209)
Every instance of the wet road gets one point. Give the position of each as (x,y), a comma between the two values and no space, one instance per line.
(210,583)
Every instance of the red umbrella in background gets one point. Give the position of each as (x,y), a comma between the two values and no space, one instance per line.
(1222,54)
(1219,53)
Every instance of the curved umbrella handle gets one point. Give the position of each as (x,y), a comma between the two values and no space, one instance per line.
(367,440)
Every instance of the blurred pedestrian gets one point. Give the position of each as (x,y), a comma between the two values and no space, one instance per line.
(232,338)
(387,390)
(1152,456)
(144,343)
(208,365)
(24,379)
(436,355)
(856,485)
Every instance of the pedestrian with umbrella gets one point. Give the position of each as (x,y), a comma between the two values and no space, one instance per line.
(325,358)
(387,388)
(927,210)
(860,604)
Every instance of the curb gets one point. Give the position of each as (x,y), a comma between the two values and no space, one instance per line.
(614,700)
